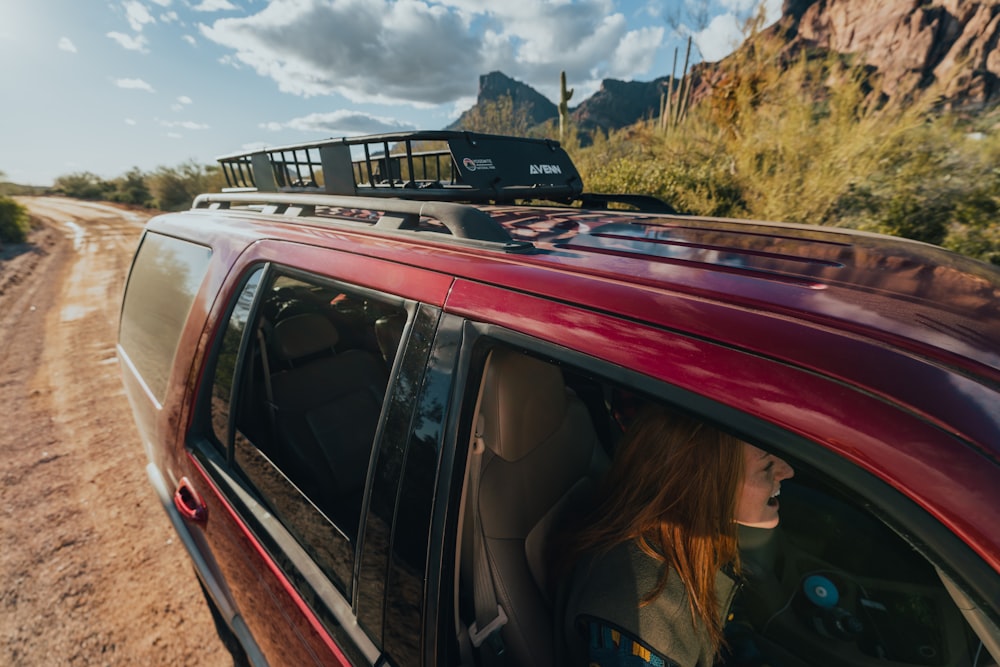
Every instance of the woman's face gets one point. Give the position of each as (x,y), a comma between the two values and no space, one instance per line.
(757,504)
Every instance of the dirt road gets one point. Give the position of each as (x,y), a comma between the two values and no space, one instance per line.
(90,570)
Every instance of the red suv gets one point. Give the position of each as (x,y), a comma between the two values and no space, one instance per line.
(312,354)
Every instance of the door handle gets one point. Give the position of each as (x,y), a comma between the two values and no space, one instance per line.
(189,503)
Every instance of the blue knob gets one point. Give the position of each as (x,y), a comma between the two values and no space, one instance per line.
(820,591)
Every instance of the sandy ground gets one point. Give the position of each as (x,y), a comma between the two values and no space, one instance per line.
(90,570)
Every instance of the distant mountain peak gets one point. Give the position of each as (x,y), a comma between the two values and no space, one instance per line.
(496,84)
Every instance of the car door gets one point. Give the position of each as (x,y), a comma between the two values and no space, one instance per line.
(296,451)
(857,573)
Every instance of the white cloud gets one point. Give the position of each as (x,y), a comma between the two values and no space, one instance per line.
(162,3)
(723,34)
(174,135)
(130,42)
(214,6)
(636,52)
(169,17)
(415,52)
(726,31)
(184,124)
(65,44)
(366,50)
(134,84)
(137,15)
(340,123)
(189,39)
(130,121)
(181,102)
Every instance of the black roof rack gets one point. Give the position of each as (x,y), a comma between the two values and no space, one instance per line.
(428,165)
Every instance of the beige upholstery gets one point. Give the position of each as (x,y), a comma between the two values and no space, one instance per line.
(302,335)
(327,408)
(542,459)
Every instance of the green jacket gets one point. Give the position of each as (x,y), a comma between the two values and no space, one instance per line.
(610,587)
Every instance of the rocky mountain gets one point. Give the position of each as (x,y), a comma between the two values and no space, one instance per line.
(620,103)
(912,44)
(495,85)
(909,45)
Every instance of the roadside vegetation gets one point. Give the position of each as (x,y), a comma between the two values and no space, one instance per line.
(166,188)
(14,222)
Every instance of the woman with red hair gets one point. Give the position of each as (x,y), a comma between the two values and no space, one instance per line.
(657,561)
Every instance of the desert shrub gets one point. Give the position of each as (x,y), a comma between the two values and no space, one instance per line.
(83,185)
(174,188)
(131,189)
(14,221)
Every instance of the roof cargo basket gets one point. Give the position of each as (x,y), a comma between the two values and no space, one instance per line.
(430,165)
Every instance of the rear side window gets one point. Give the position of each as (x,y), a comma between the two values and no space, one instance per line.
(297,398)
(165,277)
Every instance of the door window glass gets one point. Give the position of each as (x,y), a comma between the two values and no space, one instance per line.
(307,401)
(161,287)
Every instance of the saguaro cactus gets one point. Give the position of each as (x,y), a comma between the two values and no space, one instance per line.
(564,97)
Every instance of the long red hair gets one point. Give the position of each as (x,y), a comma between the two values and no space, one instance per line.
(672,488)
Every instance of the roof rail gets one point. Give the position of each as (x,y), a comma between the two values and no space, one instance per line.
(467,224)
(644,203)
(427,165)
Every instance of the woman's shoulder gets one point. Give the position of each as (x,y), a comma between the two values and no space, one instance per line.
(608,588)
(625,567)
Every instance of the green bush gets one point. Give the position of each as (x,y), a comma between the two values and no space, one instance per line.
(14,221)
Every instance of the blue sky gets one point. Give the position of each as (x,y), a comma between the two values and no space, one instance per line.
(107,85)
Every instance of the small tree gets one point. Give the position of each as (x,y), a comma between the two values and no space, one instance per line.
(14,222)
(132,189)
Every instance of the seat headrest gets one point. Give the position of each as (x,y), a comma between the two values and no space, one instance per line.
(302,335)
(523,403)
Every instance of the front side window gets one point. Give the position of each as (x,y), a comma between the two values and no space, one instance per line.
(555,450)
(164,280)
(297,396)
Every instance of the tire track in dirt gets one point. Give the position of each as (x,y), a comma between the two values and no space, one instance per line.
(92,573)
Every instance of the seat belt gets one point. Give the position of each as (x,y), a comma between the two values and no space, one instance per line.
(490,616)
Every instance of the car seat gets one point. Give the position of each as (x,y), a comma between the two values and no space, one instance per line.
(541,459)
(327,407)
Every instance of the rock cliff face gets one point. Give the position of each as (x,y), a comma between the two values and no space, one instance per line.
(620,103)
(495,85)
(912,44)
